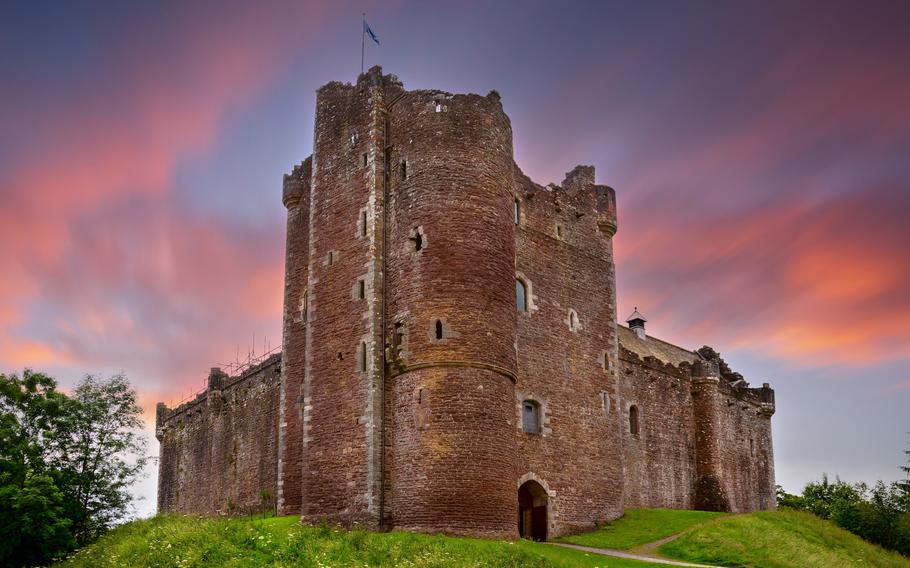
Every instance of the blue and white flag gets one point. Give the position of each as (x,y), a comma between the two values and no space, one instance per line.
(368,30)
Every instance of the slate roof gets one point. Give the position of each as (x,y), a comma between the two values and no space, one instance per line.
(653,347)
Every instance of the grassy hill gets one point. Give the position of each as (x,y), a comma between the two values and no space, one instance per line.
(782,539)
(178,541)
(778,539)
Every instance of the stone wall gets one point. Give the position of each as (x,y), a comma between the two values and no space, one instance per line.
(702,443)
(566,351)
(219,452)
(660,459)
(451,251)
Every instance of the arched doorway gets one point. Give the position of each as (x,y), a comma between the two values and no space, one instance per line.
(532,511)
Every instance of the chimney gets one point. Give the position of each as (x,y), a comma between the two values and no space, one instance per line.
(637,323)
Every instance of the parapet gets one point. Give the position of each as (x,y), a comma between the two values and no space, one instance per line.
(296,183)
(218,382)
(578,192)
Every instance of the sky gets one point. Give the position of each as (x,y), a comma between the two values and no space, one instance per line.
(760,152)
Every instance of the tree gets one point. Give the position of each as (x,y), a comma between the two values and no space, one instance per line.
(66,463)
(34,527)
(100,454)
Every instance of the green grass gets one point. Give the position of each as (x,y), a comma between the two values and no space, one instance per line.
(177,541)
(640,526)
(778,539)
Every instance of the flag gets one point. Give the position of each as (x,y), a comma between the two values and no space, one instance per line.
(368,30)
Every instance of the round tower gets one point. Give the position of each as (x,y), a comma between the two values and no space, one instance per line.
(451,316)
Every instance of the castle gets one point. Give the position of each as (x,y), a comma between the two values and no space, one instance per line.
(451,356)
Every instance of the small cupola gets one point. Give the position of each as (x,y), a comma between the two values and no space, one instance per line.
(637,323)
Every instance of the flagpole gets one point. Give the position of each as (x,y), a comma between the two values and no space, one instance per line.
(363,27)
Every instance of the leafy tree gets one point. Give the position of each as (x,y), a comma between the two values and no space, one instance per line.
(100,454)
(785,499)
(33,522)
(66,463)
(34,527)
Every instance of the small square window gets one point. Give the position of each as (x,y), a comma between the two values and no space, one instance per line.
(530,417)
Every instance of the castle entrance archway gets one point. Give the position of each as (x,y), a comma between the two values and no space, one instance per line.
(532,511)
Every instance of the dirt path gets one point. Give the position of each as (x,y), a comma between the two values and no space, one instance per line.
(630,555)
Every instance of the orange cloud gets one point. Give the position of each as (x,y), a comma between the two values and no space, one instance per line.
(816,283)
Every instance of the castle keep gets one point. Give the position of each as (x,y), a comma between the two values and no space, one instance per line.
(451,355)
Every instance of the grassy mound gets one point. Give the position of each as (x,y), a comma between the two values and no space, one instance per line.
(779,539)
(641,526)
(179,541)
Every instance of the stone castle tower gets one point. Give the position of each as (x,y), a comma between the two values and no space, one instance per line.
(451,356)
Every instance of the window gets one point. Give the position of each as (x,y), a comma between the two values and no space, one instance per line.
(418,240)
(633,420)
(361,289)
(438,106)
(573,320)
(606,402)
(530,417)
(438,330)
(558,231)
(606,361)
(521,295)
(364,159)
(331,257)
(404,170)
(517,212)
(363,223)
(362,360)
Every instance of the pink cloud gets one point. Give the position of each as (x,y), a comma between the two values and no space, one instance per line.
(103,265)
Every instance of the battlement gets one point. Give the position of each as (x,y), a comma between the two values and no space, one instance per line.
(218,386)
(296,184)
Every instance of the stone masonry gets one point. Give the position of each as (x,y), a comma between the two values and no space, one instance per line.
(451,355)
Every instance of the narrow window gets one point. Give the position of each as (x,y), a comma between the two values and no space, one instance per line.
(361,289)
(633,420)
(606,402)
(420,396)
(353,139)
(438,330)
(363,223)
(558,231)
(331,257)
(438,106)
(573,320)
(418,240)
(521,296)
(752,446)
(517,212)
(362,363)
(404,170)
(606,361)
(364,159)
(530,417)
